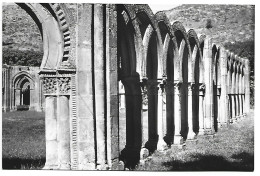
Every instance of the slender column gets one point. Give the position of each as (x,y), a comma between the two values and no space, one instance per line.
(63,136)
(191,133)
(178,139)
(233,98)
(224,89)
(17,97)
(218,105)
(169,88)
(247,87)
(161,145)
(131,153)
(4,87)
(152,91)
(209,115)
(236,95)
(201,109)
(99,63)
(239,96)
(51,133)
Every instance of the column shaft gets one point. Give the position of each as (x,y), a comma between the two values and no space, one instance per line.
(51,133)
(178,139)
(191,133)
(63,136)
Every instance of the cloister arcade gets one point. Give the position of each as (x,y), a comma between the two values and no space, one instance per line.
(90,48)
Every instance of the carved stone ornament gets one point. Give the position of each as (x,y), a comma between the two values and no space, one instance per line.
(177,87)
(49,85)
(64,84)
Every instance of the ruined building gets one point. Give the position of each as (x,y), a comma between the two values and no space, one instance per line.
(90,48)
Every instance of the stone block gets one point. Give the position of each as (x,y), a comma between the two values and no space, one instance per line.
(86,130)
(51,152)
(51,129)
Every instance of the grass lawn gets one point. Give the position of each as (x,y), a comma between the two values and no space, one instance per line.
(232,149)
(23,140)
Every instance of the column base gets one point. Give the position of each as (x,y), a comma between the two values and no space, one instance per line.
(178,140)
(117,165)
(222,124)
(130,157)
(161,145)
(64,167)
(50,167)
(191,136)
(230,120)
(201,132)
(192,141)
(234,119)
(209,132)
(102,167)
(144,153)
(86,166)
(151,144)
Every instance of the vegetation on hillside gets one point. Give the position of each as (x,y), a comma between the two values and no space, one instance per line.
(24,58)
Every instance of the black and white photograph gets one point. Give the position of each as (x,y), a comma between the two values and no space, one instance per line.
(128,86)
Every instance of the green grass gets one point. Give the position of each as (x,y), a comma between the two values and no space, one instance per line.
(232,149)
(23,140)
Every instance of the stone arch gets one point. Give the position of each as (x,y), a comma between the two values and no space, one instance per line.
(22,84)
(169,57)
(51,22)
(216,85)
(197,77)
(184,75)
(127,56)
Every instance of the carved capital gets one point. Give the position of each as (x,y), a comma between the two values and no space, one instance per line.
(191,86)
(177,87)
(202,88)
(64,84)
(49,85)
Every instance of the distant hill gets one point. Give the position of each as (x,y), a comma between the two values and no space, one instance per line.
(19,30)
(230,23)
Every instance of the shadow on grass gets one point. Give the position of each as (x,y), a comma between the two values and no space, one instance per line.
(242,162)
(17,163)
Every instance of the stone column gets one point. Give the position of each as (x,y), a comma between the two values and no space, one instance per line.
(161,145)
(218,105)
(233,98)
(51,132)
(178,139)
(247,87)
(224,88)
(236,95)
(191,134)
(63,129)
(201,108)
(131,153)
(239,96)
(17,97)
(209,115)
(169,88)
(99,63)
(152,92)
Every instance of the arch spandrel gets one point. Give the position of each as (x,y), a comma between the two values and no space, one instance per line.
(53,33)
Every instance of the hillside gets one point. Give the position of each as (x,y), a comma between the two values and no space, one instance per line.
(230,23)
(19,30)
